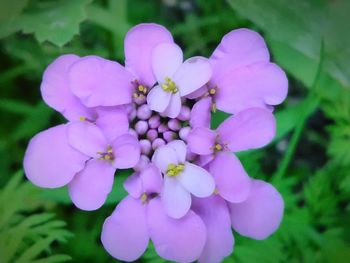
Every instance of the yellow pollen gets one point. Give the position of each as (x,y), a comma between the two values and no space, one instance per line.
(212,91)
(218,147)
(216,191)
(144,198)
(175,170)
(135,95)
(141,88)
(169,86)
(107,157)
(82,118)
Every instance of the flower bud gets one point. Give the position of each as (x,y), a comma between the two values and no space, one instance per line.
(142,164)
(141,127)
(144,112)
(185,113)
(174,125)
(162,128)
(169,136)
(157,143)
(183,133)
(154,122)
(152,135)
(145,146)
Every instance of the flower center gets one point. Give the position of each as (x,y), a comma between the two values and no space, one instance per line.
(106,156)
(175,170)
(169,86)
(217,147)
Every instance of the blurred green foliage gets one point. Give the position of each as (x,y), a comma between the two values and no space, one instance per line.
(308,161)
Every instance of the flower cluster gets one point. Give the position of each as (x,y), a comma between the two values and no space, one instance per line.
(153,115)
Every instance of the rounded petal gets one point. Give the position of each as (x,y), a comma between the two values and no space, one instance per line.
(50,161)
(175,198)
(201,141)
(201,113)
(179,240)
(197,180)
(139,43)
(55,89)
(249,129)
(261,214)
(232,181)
(87,138)
(124,233)
(152,180)
(100,82)
(126,151)
(113,122)
(158,99)
(240,47)
(174,107)
(166,59)
(133,185)
(180,148)
(258,85)
(216,217)
(192,75)
(164,156)
(90,187)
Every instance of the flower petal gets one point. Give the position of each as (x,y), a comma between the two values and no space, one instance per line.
(201,113)
(126,151)
(216,217)
(158,99)
(166,59)
(179,240)
(201,141)
(56,93)
(232,181)
(152,180)
(197,180)
(87,138)
(249,129)
(192,75)
(240,47)
(180,148)
(113,122)
(90,187)
(260,85)
(133,185)
(164,156)
(50,161)
(175,198)
(100,82)
(139,43)
(174,107)
(261,214)
(124,233)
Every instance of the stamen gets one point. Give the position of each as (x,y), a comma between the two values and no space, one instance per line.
(106,156)
(212,91)
(213,107)
(82,118)
(175,170)
(217,147)
(169,86)
(144,198)
(216,191)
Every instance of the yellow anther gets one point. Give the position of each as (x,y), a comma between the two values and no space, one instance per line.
(144,198)
(169,86)
(141,88)
(135,95)
(212,91)
(216,191)
(218,147)
(107,157)
(82,118)
(144,90)
(175,170)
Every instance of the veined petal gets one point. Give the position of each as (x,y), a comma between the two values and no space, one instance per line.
(166,59)
(90,187)
(259,85)
(56,93)
(249,129)
(175,198)
(201,113)
(158,99)
(100,82)
(50,161)
(174,106)
(180,148)
(126,151)
(197,180)
(87,138)
(179,240)
(124,233)
(164,156)
(261,214)
(238,48)
(201,141)
(139,44)
(232,181)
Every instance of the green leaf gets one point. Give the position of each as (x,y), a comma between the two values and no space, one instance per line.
(9,12)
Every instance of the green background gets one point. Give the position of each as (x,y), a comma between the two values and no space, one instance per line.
(308,162)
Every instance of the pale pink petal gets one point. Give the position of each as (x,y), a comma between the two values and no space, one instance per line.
(113,122)
(124,233)
(50,161)
(174,107)
(166,59)
(164,156)
(192,75)
(126,151)
(180,148)
(201,113)
(216,217)
(249,129)
(56,93)
(232,181)
(87,138)
(197,180)
(261,214)
(179,240)
(175,198)
(258,85)
(201,141)
(90,187)
(158,99)
(240,47)
(133,185)
(139,43)
(151,179)
(100,82)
